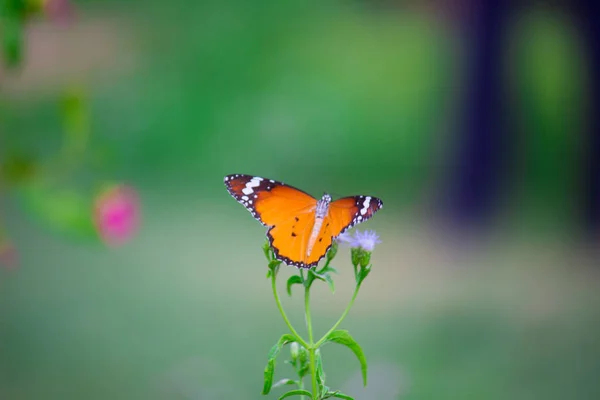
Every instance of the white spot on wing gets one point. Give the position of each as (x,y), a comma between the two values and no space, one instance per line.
(366,203)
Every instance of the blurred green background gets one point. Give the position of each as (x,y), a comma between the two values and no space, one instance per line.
(344,97)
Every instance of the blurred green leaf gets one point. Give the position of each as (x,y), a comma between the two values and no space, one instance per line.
(328,268)
(12,39)
(297,392)
(273,353)
(63,210)
(76,121)
(294,279)
(330,283)
(325,277)
(273,268)
(320,373)
(344,338)
(267,250)
(17,168)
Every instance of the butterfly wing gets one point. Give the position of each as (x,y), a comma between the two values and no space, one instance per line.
(343,214)
(270,202)
(289,239)
(287,211)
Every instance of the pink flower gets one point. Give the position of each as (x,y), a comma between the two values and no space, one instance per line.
(117,214)
(9,257)
(59,11)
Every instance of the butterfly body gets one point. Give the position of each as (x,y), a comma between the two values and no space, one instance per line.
(301,228)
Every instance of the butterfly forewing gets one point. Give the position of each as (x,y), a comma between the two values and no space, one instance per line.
(270,202)
(346,212)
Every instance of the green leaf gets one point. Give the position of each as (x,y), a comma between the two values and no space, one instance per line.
(12,32)
(267,250)
(273,268)
(270,368)
(294,279)
(320,373)
(76,122)
(62,210)
(310,277)
(328,268)
(285,381)
(297,392)
(317,275)
(17,168)
(329,281)
(324,276)
(338,395)
(332,251)
(344,338)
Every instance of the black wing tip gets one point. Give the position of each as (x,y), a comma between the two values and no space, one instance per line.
(230,177)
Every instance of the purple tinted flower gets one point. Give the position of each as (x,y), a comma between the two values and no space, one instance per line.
(365,240)
(346,238)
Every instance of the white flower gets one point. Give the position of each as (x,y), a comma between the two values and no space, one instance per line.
(365,240)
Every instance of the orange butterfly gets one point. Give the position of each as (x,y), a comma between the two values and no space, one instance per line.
(301,228)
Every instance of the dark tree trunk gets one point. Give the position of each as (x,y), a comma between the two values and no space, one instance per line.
(587,17)
(481,158)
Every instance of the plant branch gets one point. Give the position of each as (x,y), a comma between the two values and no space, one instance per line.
(283,314)
(311,348)
(339,321)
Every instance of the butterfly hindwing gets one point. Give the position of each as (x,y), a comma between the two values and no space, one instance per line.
(289,239)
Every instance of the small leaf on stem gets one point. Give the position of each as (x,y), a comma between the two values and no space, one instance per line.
(320,373)
(297,392)
(267,250)
(270,368)
(329,281)
(294,279)
(344,338)
(328,268)
(273,268)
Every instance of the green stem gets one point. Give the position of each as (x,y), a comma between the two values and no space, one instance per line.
(283,314)
(339,321)
(311,349)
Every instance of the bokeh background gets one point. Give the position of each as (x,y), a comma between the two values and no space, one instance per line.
(473,121)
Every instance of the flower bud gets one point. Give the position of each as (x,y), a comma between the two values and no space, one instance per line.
(294,351)
(365,259)
(332,251)
(356,255)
